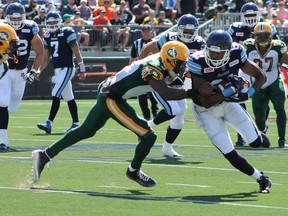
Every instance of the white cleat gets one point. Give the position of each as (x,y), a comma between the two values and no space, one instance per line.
(168,151)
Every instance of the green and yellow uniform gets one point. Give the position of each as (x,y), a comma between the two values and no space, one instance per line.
(112,93)
(273,89)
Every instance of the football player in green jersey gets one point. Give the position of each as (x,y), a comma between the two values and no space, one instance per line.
(269,54)
(140,77)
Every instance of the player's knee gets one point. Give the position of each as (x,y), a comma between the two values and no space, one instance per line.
(149,138)
(85,132)
(177,125)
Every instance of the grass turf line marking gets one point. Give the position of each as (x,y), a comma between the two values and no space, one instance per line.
(189,185)
(139,197)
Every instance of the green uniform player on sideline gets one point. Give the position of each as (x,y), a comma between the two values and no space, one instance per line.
(269,54)
(140,77)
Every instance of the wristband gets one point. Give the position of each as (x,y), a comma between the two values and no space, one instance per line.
(250,91)
(229,91)
(82,67)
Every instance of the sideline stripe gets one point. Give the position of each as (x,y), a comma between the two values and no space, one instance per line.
(146,164)
(140,197)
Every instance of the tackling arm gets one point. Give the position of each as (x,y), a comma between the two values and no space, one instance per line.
(252,69)
(148,49)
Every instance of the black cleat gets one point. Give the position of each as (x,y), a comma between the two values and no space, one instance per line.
(39,160)
(264,184)
(282,143)
(240,142)
(141,178)
(3,147)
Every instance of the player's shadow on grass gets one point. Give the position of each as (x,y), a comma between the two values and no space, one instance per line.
(52,134)
(145,195)
(227,198)
(176,161)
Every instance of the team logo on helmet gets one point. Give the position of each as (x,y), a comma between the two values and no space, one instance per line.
(172,52)
(4,36)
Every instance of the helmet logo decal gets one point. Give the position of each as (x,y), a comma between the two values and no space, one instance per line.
(172,52)
(4,36)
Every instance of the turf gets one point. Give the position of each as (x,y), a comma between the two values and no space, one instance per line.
(89,178)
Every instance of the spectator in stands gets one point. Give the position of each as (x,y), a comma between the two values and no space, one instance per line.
(40,20)
(126,14)
(67,20)
(49,6)
(101,2)
(269,9)
(79,24)
(169,7)
(70,8)
(2,15)
(163,21)
(150,19)
(140,11)
(101,29)
(6,5)
(119,29)
(211,13)
(109,10)
(277,23)
(135,52)
(84,10)
(282,12)
(203,5)
(31,9)
(186,7)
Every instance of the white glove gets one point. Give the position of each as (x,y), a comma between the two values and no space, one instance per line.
(29,77)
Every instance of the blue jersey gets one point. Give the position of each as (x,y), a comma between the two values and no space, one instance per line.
(25,35)
(59,45)
(198,67)
(197,44)
(240,32)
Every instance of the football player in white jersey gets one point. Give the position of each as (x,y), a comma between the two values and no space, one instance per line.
(13,85)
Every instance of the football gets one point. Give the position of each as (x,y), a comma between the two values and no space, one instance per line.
(266,142)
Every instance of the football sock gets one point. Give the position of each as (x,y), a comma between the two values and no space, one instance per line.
(54,108)
(73,110)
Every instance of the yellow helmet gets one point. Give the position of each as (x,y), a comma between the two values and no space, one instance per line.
(174,55)
(263,34)
(8,39)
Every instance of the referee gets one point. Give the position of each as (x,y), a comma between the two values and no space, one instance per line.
(135,52)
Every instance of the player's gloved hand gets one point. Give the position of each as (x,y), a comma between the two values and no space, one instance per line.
(241,96)
(238,82)
(227,88)
(30,76)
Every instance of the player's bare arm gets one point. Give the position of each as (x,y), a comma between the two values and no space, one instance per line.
(255,71)
(79,60)
(149,49)
(37,45)
(209,96)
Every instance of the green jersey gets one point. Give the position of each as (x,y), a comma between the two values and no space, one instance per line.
(133,79)
(270,61)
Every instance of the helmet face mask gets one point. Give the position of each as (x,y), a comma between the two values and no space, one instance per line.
(250,14)
(218,49)
(15,15)
(263,34)
(53,21)
(187,28)
(174,55)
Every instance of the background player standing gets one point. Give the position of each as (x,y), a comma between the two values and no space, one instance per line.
(61,44)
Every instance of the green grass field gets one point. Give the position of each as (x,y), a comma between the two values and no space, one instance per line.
(89,177)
